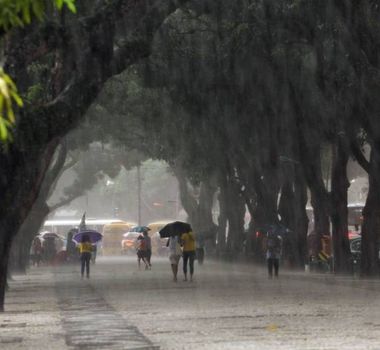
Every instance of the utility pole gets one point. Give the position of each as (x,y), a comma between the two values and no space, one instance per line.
(139,194)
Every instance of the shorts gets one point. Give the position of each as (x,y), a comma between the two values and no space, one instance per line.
(141,254)
(174,259)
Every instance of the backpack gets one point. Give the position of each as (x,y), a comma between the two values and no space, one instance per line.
(141,243)
(274,242)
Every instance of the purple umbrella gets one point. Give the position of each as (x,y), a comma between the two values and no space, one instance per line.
(93,235)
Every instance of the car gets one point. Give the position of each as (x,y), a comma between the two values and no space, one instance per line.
(129,242)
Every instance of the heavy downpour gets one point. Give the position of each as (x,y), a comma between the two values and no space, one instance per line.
(189,174)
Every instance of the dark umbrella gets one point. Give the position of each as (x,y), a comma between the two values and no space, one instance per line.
(93,235)
(277,229)
(140,229)
(174,229)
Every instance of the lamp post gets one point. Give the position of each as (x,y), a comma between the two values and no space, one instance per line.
(139,194)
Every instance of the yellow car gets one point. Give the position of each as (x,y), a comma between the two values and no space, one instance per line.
(113,235)
(158,243)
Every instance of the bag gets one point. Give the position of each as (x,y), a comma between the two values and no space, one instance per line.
(178,250)
(274,243)
(141,244)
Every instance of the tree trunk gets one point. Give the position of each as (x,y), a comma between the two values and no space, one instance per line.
(267,189)
(206,203)
(7,228)
(235,206)
(339,213)
(222,219)
(320,199)
(21,245)
(371,220)
(287,212)
(301,221)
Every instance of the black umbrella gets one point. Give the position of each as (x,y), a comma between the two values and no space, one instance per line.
(174,229)
(276,229)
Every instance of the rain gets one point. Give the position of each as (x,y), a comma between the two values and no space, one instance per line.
(189,174)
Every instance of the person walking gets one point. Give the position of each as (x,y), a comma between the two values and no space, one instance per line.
(188,244)
(148,246)
(36,251)
(175,253)
(273,253)
(141,252)
(71,251)
(85,249)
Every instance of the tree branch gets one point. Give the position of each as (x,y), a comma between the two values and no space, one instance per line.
(359,156)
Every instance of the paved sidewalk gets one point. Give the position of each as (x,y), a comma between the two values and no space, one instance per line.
(228,306)
(51,309)
(32,318)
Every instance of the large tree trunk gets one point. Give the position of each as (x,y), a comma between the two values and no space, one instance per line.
(371,220)
(21,245)
(320,199)
(287,211)
(222,220)
(301,219)
(21,182)
(339,213)
(206,203)
(235,206)
(267,190)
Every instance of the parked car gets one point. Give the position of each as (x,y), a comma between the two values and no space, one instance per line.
(158,244)
(356,251)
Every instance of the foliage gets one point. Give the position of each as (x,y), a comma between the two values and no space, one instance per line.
(18,13)
(8,93)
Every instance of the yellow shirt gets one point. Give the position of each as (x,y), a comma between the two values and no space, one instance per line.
(188,241)
(85,247)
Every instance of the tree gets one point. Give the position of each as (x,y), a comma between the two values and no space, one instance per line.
(79,64)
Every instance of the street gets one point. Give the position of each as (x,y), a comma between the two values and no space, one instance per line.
(227,306)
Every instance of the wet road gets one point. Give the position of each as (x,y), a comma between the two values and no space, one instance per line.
(226,307)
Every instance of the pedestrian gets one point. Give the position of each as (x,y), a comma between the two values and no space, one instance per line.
(141,251)
(94,252)
(200,249)
(71,251)
(85,249)
(188,247)
(273,252)
(175,253)
(49,250)
(148,246)
(36,251)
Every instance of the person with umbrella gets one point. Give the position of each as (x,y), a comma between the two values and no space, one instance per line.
(179,232)
(175,253)
(85,249)
(142,252)
(273,251)
(148,245)
(85,242)
(36,251)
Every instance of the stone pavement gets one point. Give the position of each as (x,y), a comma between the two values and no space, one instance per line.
(228,306)
(50,308)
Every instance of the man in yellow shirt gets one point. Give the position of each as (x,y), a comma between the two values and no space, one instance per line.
(188,244)
(85,249)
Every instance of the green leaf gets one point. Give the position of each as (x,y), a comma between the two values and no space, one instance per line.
(71,6)
(26,14)
(17,98)
(59,4)
(3,129)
